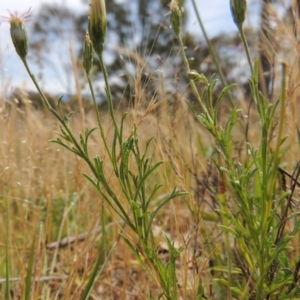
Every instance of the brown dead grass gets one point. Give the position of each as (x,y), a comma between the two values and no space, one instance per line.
(43,190)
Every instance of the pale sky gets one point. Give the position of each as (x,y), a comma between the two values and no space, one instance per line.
(214,13)
(21,6)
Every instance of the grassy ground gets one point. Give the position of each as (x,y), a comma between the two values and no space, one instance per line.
(47,194)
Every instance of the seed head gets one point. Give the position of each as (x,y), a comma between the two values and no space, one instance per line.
(18,31)
(238,11)
(176,17)
(97,24)
(88,54)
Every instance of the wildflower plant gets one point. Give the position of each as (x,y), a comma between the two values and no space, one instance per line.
(254,209)
(132,168)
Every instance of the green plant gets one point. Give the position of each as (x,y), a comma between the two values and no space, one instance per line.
(254,209)
(131,166)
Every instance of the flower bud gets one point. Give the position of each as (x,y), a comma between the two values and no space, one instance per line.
(88,54)
(19,36)
(238,11)
(195,76)
(176,17)
(97,24)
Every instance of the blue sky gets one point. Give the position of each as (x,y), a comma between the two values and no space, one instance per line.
(215,15)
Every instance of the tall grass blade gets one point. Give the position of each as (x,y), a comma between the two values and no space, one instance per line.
(7,254)
(28,280)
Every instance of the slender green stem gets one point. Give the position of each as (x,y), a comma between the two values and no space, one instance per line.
(245,43)
(44,99)
(97,271)
(212,52)
(222,199)
(280,129)
(192,83)
(116,201)
(265,203)
(98,117)
(109,99)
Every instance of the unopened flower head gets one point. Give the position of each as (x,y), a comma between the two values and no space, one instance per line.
(176,17)
(238,11)
(195,76)
(18,30)
(88,54)
(97,24)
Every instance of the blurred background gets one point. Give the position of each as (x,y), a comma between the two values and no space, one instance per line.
(138,38)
